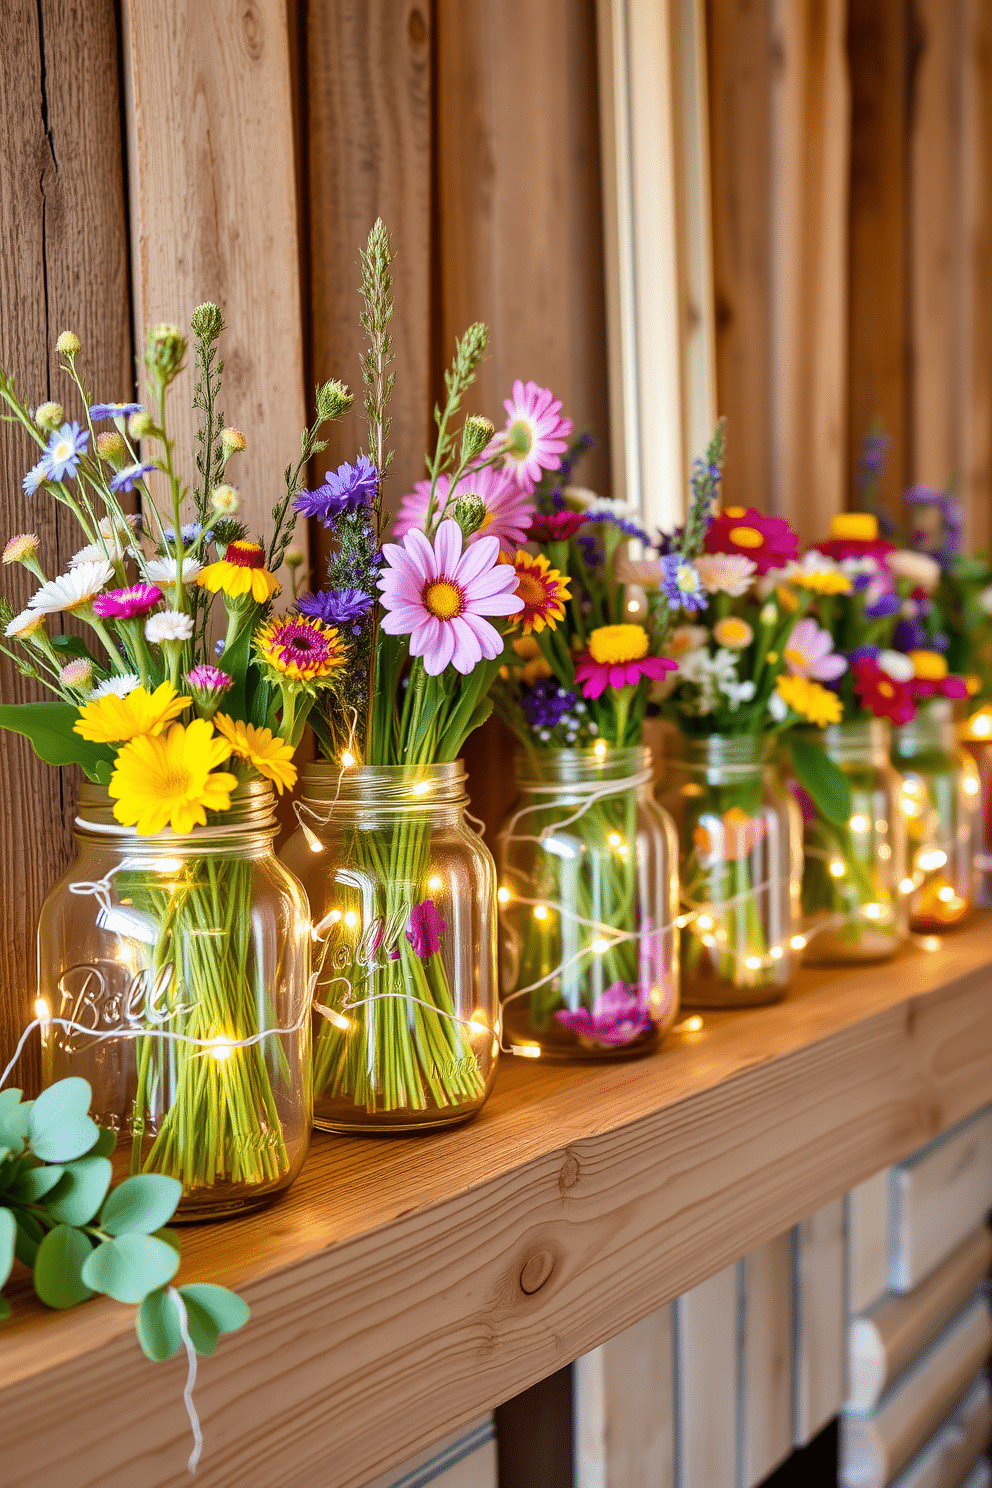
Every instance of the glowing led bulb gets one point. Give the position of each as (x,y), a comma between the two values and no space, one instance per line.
(540,912)
(527,1051)
(503,895)
(933,858)
(776,953)
(704,922)
(970,785)
(837,868)
(434,884)
(690,1025)
(338,1019)
(599,749)
(633,606)
(906,886)
(946,894)
(347,760)
(798,942)
(874,911)
(220,1049)
(351,919)
(614,839)
(41,1010)
(753,963)
(600,947)
(421,788)
(859,824)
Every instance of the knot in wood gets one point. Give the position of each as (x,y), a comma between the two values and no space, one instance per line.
(536,1270)
(568,1175)
(252,32)
(416,28)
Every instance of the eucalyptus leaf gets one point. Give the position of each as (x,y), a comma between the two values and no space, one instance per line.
(34,1183)
(825,782)
(8,1240)
(14,1118)
(170,1237)
(157,1326)
(59,1266)
(104,1144)
(130,1267)
(227,1310)
(203,1331)
(59,1127)
(141,1205)
(29,1237)
(82,1190)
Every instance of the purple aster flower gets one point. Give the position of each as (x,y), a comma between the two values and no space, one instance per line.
(909,635)
(114,410)
(61,458)
(425,929)
(344,490)
(127,604)
(874,453)
(128,478)
(862,653)
(547,703)
(336,606)
(34,478)
(681,585)
(617,1018)
(883,607)
(629,529)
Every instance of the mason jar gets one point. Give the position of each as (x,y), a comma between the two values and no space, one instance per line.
(588,904)
(940,802)
(403,896)
(173,975)
(853,897)
(740,857)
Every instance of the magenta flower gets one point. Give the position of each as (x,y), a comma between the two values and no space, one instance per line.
(509,510)
(536,435)
(425,929)
(127,604)
(617,1018)
(437,595)
(617,657)
(803,800)
(557,526)
(810,653)
(209,679)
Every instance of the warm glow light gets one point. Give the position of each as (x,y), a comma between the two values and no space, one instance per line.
(884,851)
(338,1019)
(837,868)
(527,1051)
(798,942)
(41,1010)
(334,916)
(478,1025)
(624,851)
(912,788)
(633,606)
(906,886)
(946,894)
(980,727)
(690,1025)
(776,953)
(753,963)
(599,749)
(970,785)
(929,942)
(347,760)
(614,839)
(858,824)
(351,919)
(503,895)
(220,1048)
(312,840)
(540,912)
(434,884)
(709,941)
(874,911)
(704,922)
(421,788)
(600,946)
(933,858)
(682,921)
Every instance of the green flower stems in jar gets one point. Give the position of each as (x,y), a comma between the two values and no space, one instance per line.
(221,1122)
(397,1051)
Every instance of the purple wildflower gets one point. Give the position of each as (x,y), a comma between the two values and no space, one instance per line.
(681,585)
(883,607)
(336,606)
(127,604)
(547,703)
(629,529)
(34,478)
(425,929)
(344,490)
(617,1018)
(939,642)
(862,653)
(61,457)
(803,800)
(909,635)
(209,678)
(128,478)
(590,548)
(114,410)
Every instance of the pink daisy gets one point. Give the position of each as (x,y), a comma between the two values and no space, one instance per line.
(617,657)
(536,435)
(509,510)
(127,604)
(437,595)
(810,653)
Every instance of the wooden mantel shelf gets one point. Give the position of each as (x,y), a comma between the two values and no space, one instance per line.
(405,1286)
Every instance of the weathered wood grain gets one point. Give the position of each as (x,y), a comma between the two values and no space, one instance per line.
(623,1408)
(974,374)
(818,1362)
(404,1288)
(63,265)
(706,1403)
(765,1390)
(868,1241)
(212,185)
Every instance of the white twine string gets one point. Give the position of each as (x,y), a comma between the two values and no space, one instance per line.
(589,793)
(194,1419)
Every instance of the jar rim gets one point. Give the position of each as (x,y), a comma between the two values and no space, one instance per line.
(617,763)
(327,783)
(250,815)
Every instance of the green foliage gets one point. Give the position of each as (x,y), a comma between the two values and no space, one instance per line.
(49,727)
(60,1216)
(826,783)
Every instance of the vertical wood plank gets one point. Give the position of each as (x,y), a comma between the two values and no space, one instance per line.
(707,1383)
(369,90)
(212,180)
(739,53)
(818,1300)
(867,1242)
(810,127)
(878,49)
(975,368)
(63,264)
(766,1360)
(624,1420)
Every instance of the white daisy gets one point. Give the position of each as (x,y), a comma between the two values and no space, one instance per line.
(24,624)
(94,553)
(70,591)
(725,573)
(168,625)
(162,571)
(897,665)
(115,686)
(918,569)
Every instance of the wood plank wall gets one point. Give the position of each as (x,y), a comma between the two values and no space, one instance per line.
(851,192)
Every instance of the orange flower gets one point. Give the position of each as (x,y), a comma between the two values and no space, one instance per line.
(543,590)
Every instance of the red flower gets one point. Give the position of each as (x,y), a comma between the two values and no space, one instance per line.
(768,541)
(882,694)
(840,548)
(557,527)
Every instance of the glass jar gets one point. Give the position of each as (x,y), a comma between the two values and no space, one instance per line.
(853,906)
(588,904)
(976,741)
(403,896)
(740,853)
(179,966)
(940,801)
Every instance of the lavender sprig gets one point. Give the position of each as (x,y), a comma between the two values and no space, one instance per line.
(706,475)
(377,284)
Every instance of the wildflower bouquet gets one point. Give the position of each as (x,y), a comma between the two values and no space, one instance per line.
(178,732)
(587,901)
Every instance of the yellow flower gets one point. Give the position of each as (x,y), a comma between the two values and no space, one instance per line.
(859,526)
(300,648)
(820,580)
(167,781)
(810,700)
(613,644)
(930,666)
(241,571)
(534,668)
(270,756)
(543,590)
(733,633)
(113,720)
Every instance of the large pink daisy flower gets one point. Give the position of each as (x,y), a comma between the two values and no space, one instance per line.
(437,595)
(536,435)
(810,653)
(509,510)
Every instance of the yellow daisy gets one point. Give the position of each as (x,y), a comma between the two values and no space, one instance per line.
(270,756)
(543,590)
(810,700)
(241,571)
(302,649)
(167,781)
(113,720)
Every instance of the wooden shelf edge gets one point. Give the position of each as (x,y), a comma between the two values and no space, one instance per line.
(405,1287)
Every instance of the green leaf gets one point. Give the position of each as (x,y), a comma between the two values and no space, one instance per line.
(60,1128)
(157,1326)
(49,727)
(34,1183)
(825,782)
(226,1309)
(82,1191)
(104,1144)
(29,1237)
(102,772)
(14,1114)
(130,1267)
(203,1331)
(170,1237)
(60,1265)
(4,1309)
(8,1240)
(141,1205)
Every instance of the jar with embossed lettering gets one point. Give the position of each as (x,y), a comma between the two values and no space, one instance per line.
(173,975)
(403,898)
